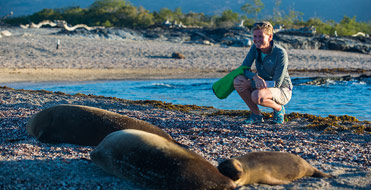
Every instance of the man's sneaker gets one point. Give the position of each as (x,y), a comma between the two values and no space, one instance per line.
(279,116)
(253,119)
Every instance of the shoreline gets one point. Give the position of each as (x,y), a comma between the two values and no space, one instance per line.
(13,75)
(339,146)
(84,75)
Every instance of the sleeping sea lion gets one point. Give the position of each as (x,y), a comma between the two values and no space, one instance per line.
(272,168)
(83,125)
(153,162)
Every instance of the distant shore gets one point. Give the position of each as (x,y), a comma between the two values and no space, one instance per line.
(31,55)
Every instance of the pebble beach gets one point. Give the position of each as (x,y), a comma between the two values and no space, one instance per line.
(31,56)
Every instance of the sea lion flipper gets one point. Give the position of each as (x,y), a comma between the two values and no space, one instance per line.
(318,173)
(274,181)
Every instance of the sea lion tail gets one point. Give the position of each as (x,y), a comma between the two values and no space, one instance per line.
(318,173)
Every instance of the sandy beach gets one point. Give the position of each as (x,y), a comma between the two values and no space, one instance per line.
(31,56)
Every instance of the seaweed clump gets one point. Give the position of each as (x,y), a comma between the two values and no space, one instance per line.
(332,123)
(235,113)
(170,106)
(230,113)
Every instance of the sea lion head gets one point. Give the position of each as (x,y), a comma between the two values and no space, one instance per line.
(231,168)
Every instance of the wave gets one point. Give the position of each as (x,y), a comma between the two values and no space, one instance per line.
(159,86)
(179,85)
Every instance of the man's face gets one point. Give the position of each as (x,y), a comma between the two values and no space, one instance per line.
(261,40)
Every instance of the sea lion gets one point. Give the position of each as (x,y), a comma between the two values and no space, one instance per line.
(153,162)
(83,125)
(272,168)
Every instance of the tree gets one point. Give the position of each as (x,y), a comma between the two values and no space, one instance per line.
(102,11)
(349,26)
(73,15)
(277,17)
(126,16)
(254,8)
(163,15)
(294,17)
(144,18)
(45,14)
(321,27)
(196,19)
(227,19)
(178,15)
(107,6)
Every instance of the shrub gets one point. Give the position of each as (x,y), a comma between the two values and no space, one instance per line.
(121,13)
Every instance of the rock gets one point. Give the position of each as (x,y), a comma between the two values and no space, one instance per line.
(177,55)
(305,38)
(296,42)
(351,44)
(325,80)
(207,42)
(305,31)
(5,33)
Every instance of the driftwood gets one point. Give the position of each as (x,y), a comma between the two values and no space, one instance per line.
(58,23)
(42,23)
(63,24)
(360,34)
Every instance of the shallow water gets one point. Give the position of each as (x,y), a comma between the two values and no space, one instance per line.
(333,98)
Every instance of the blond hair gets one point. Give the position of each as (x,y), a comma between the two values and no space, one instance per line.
(263,25)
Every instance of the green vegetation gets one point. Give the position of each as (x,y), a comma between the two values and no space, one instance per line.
(253,8)
(121,13)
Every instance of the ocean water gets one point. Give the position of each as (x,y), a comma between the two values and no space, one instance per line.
(333,98)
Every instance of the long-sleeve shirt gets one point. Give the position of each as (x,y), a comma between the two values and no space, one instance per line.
(273,67)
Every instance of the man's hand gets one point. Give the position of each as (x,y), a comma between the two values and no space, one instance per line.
(259,82)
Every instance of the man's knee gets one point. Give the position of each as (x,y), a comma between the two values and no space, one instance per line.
(255,96)
(235,82)
(238,81)
(260,96)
